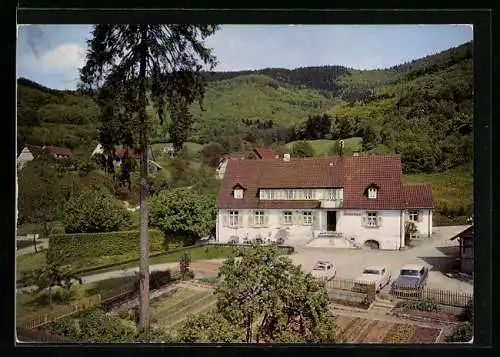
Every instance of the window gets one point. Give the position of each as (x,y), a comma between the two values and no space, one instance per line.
(233,218)
(287,217)
(413,215)
(372,192)
(289,194)
(372,219)
(331,195)
(259,218)
(238,193)
(307,217)
(307,194)
(269,194)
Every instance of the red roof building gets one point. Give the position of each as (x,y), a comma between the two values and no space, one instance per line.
(326,193)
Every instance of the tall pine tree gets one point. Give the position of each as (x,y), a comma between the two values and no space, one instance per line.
(123,62)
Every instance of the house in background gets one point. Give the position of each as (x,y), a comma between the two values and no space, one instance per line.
(466,249)
(31,152)
(120,153)
(169,149)
(257,153)
(349,201)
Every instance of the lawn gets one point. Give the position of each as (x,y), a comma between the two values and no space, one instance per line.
(31,228)
(29,306)
(20,244)
(28,262)
(322,147)
(360,330)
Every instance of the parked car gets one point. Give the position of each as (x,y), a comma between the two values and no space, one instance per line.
(378,275)
(412,277)
(324,270)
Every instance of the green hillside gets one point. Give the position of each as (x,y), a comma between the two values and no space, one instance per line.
(323,147)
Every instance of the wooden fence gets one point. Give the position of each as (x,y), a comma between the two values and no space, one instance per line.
(437,296)
(351,285)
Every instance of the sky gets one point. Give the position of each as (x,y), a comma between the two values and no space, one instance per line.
(52,54)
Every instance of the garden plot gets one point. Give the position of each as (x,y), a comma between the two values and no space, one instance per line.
(361,330)
(172,310)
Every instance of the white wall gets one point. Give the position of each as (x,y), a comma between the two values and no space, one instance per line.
(296,232)
(388,235)
(425,226)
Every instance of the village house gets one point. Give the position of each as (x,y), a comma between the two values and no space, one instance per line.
(466,249)
(132,153)
(257,153)
(31,152)
(354,201)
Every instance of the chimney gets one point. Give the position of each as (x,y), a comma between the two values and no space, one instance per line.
(286,157)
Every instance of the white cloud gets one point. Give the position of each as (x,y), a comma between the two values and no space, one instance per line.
(65,56)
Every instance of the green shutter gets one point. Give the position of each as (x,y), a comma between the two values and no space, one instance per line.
(282,218)
(240,220)
(364,219)
(266,220)
(379,220)
(225,219)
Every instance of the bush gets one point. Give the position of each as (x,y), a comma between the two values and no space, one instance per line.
(418,305)
(158,279)
(461,333)
(71,247)
(468,313)
(94,210)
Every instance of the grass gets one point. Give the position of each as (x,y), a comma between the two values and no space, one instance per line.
(29,262)
(32,228)
(322,147)
(20,244)
(29,306)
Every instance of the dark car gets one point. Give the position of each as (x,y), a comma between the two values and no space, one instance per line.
(412,279)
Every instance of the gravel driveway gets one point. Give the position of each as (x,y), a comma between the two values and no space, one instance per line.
(437,252)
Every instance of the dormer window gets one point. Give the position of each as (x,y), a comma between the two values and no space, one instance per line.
(238,193)
(372,192)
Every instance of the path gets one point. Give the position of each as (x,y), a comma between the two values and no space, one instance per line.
(31,249)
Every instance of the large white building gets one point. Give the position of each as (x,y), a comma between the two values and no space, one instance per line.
(352,201)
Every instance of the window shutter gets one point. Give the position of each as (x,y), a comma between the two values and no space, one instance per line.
(240,220)
(364,220)
(296,218)
(266,220)
(420,216)
(225,220)
(379,220)
(250,219)
(282,218)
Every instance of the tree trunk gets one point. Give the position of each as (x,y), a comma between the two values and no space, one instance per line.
(50,297)
(34,242)
(144,242)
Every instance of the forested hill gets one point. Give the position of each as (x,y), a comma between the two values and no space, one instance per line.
(421,109)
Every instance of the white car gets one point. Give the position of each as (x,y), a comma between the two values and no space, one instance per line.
(324,270)
(378,275)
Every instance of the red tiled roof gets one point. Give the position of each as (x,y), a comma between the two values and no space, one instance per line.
(418,196)
(264,153)
(354,174)
(121,152)
(37,150)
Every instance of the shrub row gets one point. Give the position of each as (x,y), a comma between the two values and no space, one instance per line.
(418,305)
(67,248)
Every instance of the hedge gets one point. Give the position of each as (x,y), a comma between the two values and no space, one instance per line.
(67,248)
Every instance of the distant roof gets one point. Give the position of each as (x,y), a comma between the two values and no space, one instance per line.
(351,173)
(264,153)
(418,195)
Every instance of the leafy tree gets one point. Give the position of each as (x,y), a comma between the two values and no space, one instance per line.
(209,328)
(261,290)
(369,138)
(94,210)
(318,126)
(121,59)
(302,149)
(50,275)
(182,211)
(42,192)
(211,154)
